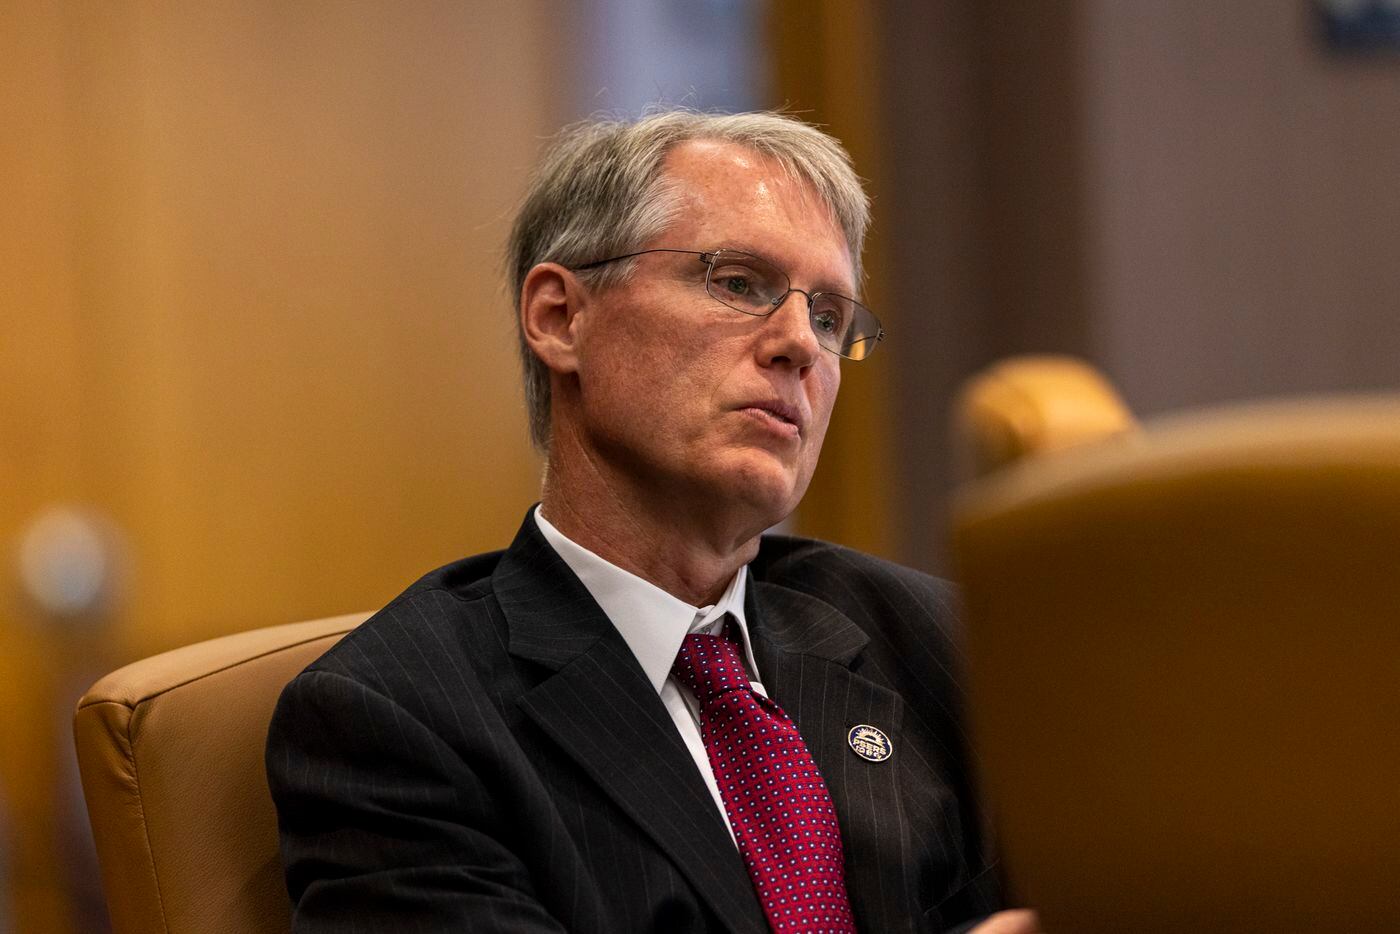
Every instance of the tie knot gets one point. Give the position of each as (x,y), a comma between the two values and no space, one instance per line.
(709,666)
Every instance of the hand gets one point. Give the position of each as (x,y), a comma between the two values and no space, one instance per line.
(1020,921)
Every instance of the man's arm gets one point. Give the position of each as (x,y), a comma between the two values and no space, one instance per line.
(1016,921)
(383,826)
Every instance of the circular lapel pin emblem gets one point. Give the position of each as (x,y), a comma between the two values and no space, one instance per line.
(870,743)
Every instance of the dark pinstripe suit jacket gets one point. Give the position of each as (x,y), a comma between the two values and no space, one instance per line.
(485,754)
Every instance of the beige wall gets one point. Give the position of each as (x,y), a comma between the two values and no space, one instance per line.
(250,313)
(1244,205)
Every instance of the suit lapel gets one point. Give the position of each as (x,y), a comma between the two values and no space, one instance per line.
(805,649)
(601,711)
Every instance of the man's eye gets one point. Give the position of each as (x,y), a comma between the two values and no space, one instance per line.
(736,285)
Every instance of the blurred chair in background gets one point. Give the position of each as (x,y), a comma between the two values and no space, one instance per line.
(171,754)
(1033,405)
(1185,662)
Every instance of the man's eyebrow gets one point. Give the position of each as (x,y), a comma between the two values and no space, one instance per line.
(840,287)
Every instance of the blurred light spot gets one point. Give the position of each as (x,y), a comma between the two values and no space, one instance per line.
(67,562)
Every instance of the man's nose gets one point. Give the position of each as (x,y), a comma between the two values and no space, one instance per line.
(788,331)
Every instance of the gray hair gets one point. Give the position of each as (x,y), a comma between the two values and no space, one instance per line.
(599,192)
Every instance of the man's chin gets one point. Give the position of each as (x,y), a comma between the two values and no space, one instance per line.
(765,486)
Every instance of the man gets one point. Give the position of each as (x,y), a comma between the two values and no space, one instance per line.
(642,716)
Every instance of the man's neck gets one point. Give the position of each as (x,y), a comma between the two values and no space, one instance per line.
(685,552)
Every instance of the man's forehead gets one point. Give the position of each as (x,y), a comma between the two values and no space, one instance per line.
(727,164)
(732,188)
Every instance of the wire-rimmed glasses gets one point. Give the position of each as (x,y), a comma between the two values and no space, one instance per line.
(754,286)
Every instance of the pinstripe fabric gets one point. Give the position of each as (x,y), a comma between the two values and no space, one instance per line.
(485,754)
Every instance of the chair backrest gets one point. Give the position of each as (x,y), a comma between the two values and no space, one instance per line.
(1185,670)
(1028,406)
(171,754)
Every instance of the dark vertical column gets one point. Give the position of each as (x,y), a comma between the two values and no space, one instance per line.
(984,225)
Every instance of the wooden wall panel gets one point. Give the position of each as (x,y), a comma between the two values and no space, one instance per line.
(40,447)
(251,314)
(290,295)
(821,51)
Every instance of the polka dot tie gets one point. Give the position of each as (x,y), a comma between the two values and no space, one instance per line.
(773,794)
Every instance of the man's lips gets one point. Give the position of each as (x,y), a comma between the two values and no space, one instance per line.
(777,410)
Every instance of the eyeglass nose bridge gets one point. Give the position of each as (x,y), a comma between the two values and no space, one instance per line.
(777,302)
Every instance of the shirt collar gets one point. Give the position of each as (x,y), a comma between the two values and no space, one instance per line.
(651,621)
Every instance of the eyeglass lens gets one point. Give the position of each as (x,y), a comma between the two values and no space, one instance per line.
(756,287)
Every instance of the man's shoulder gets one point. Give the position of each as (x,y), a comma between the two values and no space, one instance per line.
(463,579)
(432,614)
(809,564)
(874,593)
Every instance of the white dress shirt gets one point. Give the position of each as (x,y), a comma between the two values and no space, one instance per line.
(652,622)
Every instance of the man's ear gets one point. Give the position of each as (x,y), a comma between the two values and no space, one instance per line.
(551,298)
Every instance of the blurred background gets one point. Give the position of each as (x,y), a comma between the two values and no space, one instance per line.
(257,364)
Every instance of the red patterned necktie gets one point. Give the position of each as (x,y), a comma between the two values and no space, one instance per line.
(773,794)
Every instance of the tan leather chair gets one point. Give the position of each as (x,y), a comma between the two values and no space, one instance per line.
(171,754)
(1185,661)
(1029,406)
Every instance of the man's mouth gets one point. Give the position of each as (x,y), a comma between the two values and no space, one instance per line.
(777,411)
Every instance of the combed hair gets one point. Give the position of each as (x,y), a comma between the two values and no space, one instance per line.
(599,192)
